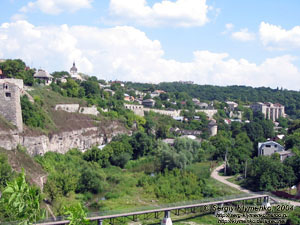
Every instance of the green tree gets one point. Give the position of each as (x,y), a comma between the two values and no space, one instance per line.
(293,140)
(76,214)
(12,68)
(21,201)
(71,87)
(92,179)
(267,174)
(142,144)
(254,131)
(91,88)
(60,74)
(6,172)
(222,143)
(32,114)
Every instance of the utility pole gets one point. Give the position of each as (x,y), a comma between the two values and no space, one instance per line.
(246,169)
(225,169)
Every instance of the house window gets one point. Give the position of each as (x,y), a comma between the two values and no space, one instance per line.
(275,146)
(8,95)
(268,146)
(262,152)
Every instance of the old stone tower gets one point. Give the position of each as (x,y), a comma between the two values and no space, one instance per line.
(10,105)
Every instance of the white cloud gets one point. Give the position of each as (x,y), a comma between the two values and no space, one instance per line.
(228,28)
(126,53)
(183,13)
(243,35)
(276,37)
(55,7)
(18,16)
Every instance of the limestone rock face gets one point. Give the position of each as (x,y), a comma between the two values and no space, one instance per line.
(81,139)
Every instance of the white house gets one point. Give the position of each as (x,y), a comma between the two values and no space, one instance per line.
(232,105)
(270,147)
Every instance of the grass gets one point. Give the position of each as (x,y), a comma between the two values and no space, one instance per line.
(124,193)
(235,179)
(5,125)
(52,98)
(206,219)
(60,120)
(19,159)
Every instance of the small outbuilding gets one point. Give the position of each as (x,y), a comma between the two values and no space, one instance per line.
(44,76)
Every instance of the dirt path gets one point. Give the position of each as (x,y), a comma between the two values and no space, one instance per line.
(223,179)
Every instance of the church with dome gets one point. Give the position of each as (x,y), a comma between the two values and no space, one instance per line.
(74,73)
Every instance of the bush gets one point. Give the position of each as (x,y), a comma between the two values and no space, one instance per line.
(6,173)
(32,114)
(174,186)
(92,179)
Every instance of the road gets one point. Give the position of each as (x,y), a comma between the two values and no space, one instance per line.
(223,179)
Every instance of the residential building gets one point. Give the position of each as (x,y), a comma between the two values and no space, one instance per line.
(236,114)
(109,91)
(270,147)
(178,118)
(232,105)
(118,82)
(270,110)
(139,93)
(44,76)
(203,105)
(103,86)
(196,101)
(128,98)
(148,103)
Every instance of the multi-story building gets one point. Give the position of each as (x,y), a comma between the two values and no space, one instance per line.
(270,110)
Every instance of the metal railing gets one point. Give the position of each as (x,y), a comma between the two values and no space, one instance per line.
(153,209)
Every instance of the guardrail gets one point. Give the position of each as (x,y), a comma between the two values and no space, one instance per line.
(100,216)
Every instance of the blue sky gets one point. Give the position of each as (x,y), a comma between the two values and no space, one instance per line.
(219,42)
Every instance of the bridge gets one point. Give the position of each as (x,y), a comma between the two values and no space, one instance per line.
(192,206)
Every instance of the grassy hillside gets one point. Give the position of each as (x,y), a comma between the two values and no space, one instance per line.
(18,159)
(5,125)
(58,121)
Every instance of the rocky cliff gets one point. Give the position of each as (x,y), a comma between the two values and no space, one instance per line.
(61,142)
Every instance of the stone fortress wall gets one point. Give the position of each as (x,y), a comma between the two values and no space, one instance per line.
(139,110)
(89,110)
(10,105)
(71,108)
(209,112)
(74,108)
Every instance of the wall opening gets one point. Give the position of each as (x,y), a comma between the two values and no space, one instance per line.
(8,95)
(5,86)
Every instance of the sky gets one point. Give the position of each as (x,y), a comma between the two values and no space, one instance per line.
(233,42)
